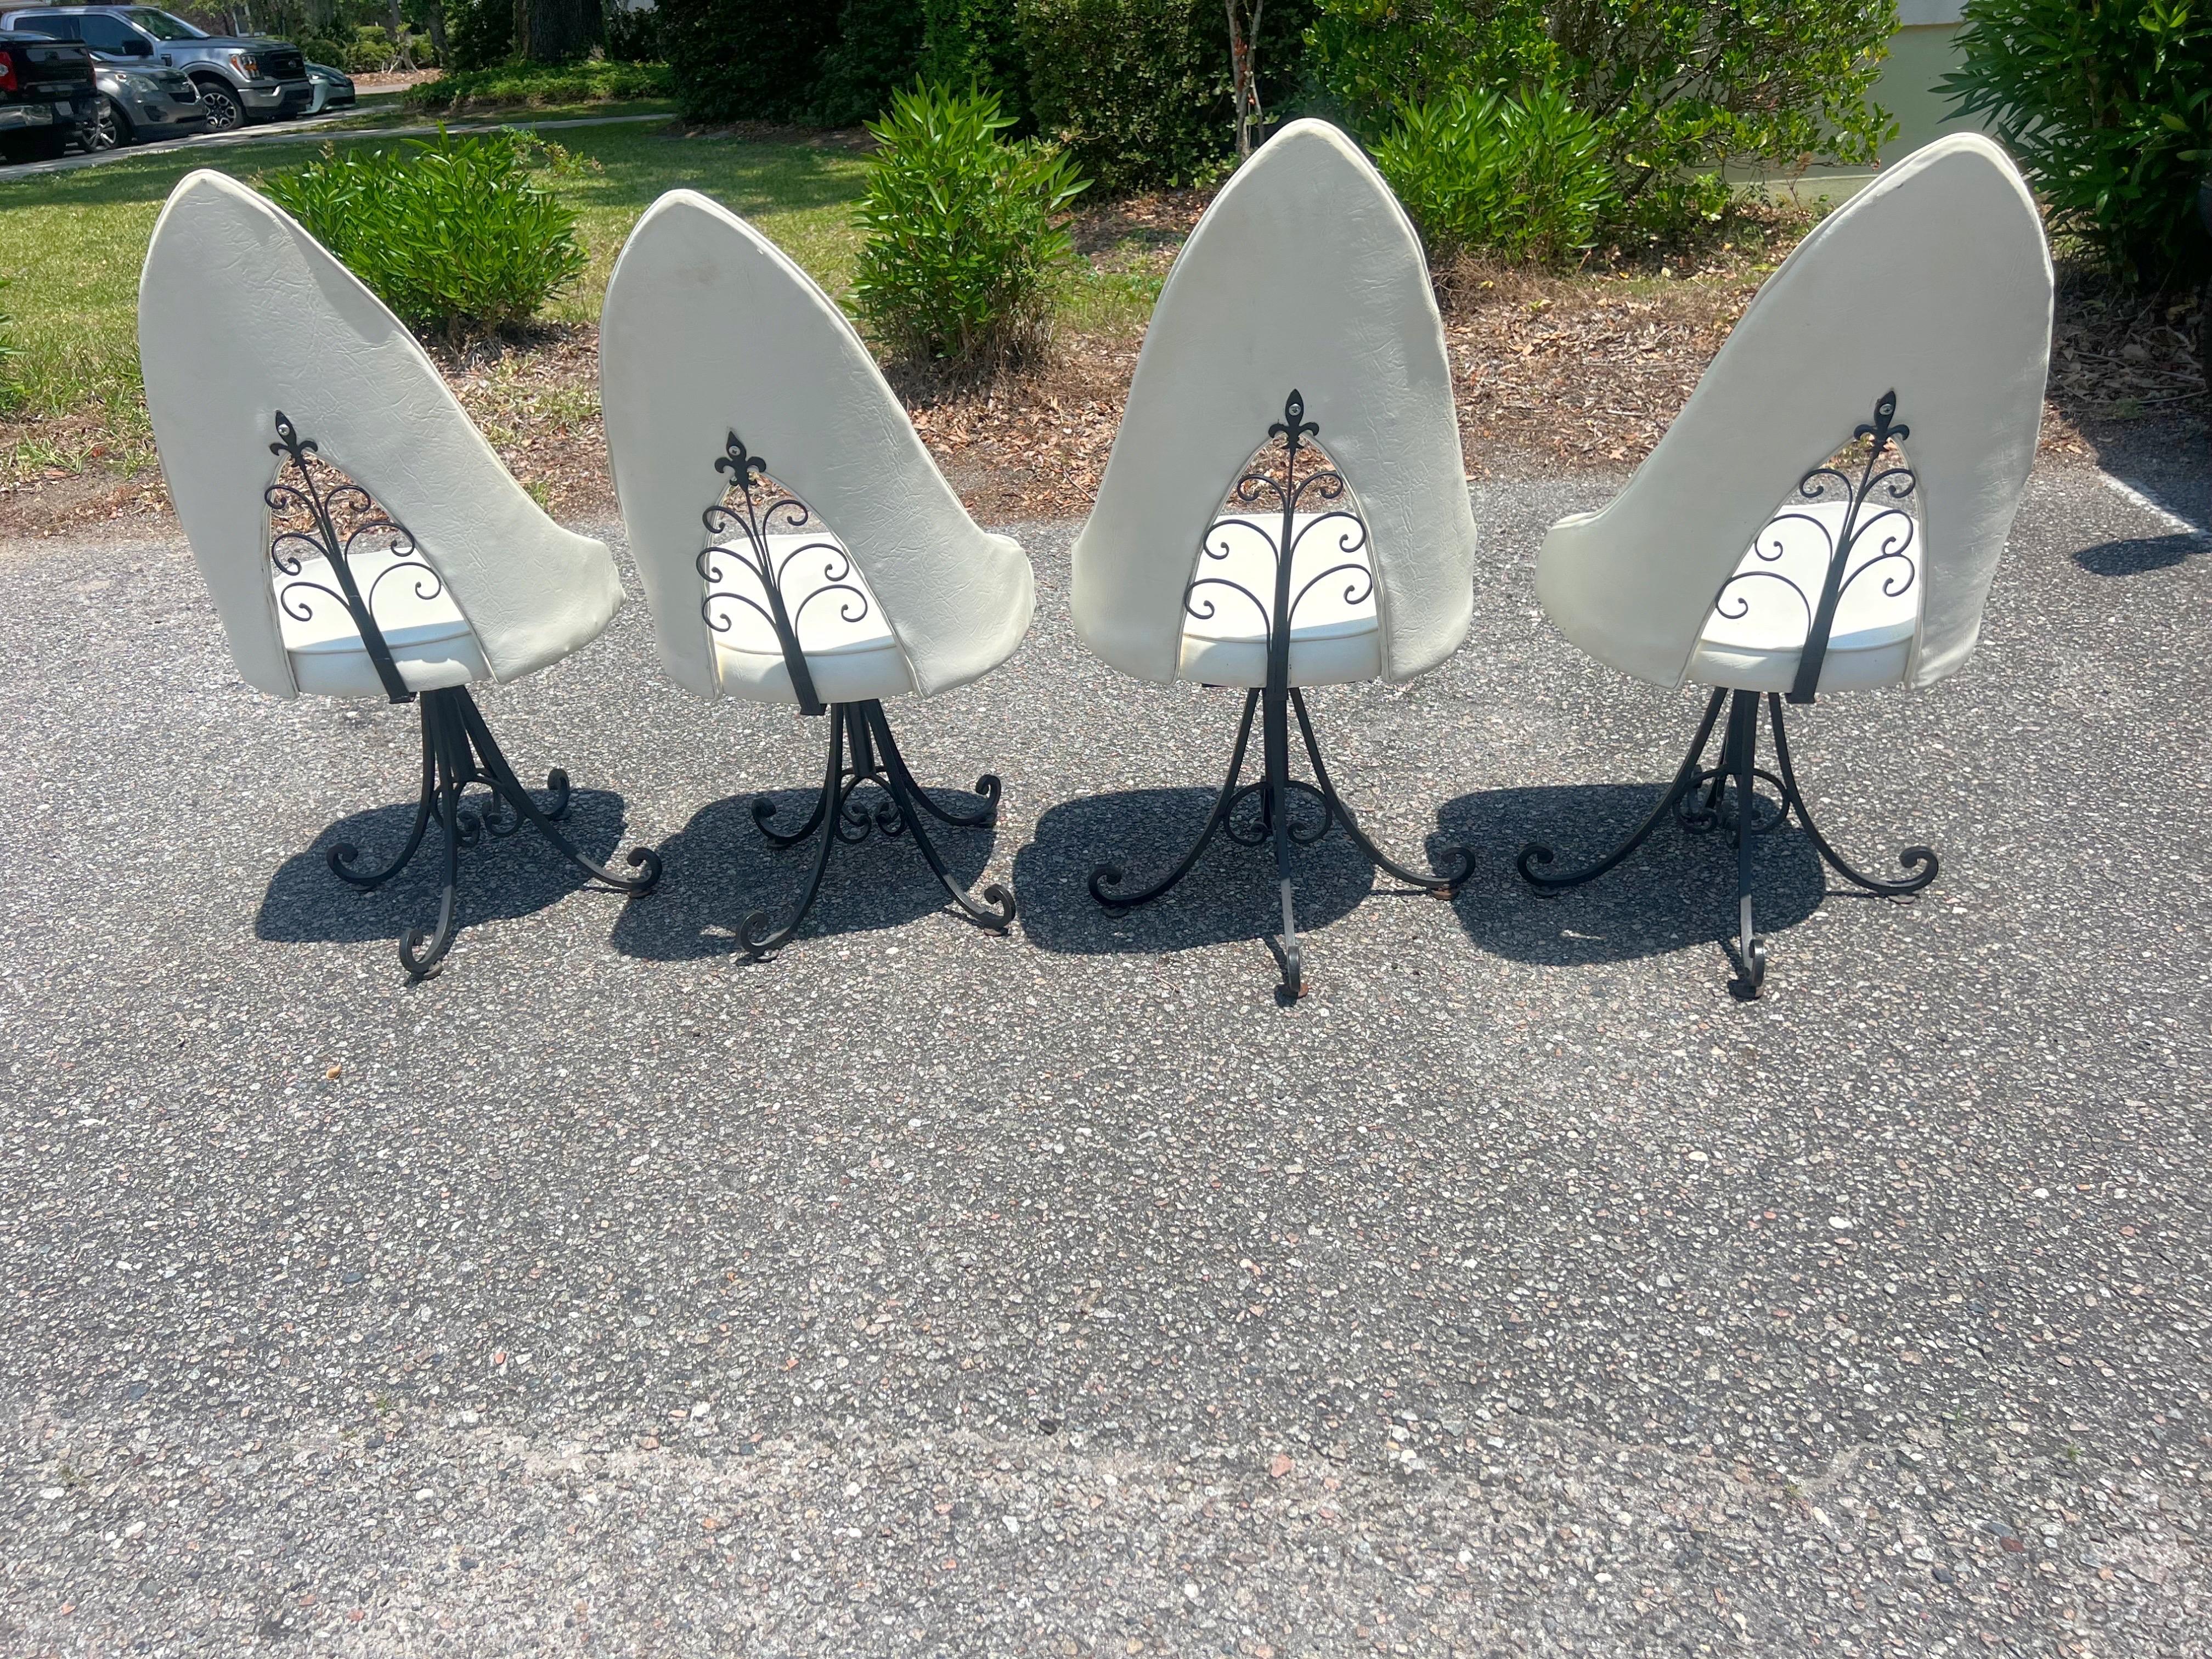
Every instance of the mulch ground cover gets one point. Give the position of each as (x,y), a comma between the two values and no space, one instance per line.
(1555,372)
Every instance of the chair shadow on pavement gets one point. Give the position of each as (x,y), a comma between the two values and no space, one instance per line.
(1675,891)
(1229,897)
(501,878)
(718,869)
(2140,555)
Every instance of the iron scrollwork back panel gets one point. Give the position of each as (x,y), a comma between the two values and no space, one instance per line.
(1877,511)
(1320,494)
(741,566)
(317,514)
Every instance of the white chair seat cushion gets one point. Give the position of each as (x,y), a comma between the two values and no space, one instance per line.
(431,642)
(1754,637)
(1336,638)
(850,650)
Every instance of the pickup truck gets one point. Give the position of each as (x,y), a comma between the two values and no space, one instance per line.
(47,96)
(240,79)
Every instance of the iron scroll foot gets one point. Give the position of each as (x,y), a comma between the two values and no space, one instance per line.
(1726,796)
(1276,827)
(459,755)
(863,751)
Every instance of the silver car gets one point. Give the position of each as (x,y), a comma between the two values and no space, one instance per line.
(138,105)
(332,89)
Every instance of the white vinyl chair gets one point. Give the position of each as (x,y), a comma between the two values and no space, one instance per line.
(849,573)
(1910,335)
(1225,549)
(358,536)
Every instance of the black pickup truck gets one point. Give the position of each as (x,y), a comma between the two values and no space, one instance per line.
(46,93)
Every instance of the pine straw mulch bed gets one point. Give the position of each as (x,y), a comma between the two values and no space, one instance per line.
(1554,373)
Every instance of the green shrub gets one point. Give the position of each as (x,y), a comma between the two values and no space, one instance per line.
(965,239)
(369,51)
(1523,177)
(479,34)
(746,60)
(321,49)
(1137,90)
(632,34)
(451,232)
(978,43)
(1676,88)
(588,81)
(2107,104)
(1374,58)
(878,46)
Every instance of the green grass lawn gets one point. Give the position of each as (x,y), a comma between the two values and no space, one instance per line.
(73,244)
(390,112)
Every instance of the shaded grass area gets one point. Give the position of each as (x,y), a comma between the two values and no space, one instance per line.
(536,85)
(389,113)
(73,244)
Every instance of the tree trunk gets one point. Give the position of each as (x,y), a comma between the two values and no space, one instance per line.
(553,31)
(434,15)
(1243,82)
(395,26)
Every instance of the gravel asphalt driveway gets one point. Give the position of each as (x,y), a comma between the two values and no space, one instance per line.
(1521,1292)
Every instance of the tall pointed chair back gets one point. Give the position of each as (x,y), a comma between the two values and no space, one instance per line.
(357,534)
(1285,505)
(746,419)
(1933,285)
(796,542)
(243,318)
(1304,275)
(1828,512)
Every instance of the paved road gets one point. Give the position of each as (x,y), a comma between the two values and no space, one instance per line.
(920,1292)
(320,129)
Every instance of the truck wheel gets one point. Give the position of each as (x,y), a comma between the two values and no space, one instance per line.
(224,113)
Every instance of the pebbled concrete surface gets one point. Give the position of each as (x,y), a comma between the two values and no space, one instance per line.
(921,1292)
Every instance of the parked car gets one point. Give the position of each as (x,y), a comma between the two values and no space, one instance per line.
(46,91)
(240,79)
(138,106)
(333,90)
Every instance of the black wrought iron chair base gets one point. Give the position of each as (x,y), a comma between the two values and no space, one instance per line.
(862,751)
(1730,801)
(1273,790)
(458,753)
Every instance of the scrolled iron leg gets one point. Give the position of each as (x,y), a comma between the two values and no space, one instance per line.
(987,786)
(997,911)
(764,809)
(1536,854)
(1109,875)
(496,772)
(1443,885)
(343,855)
(1743,746)
(422,951)
(1294,967)
(757,936)
(1920,862)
